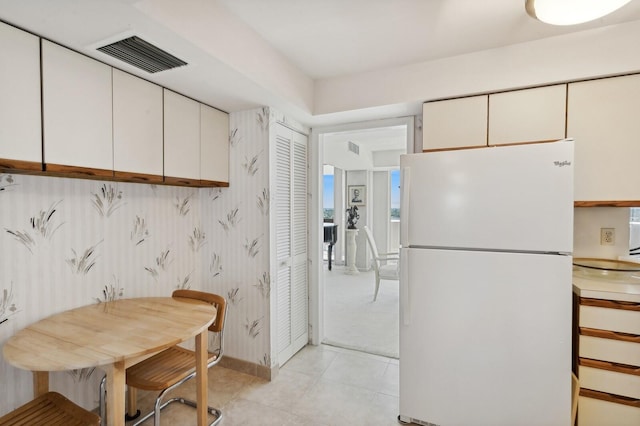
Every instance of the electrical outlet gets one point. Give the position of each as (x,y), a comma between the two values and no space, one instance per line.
(607,236)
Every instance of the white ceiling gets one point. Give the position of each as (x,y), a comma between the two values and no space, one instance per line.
(327,38)
(379,148)
(301,55)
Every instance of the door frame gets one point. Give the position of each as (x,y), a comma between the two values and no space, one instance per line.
(316,236)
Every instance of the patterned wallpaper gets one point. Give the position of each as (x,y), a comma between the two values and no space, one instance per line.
(65,243)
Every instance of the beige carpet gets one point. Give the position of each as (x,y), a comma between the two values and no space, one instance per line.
(353,320)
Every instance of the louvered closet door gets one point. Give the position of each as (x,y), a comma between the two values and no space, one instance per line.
(291,241)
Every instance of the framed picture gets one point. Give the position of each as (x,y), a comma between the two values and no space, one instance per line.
(357,195)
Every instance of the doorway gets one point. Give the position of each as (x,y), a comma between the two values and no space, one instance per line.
(363,156)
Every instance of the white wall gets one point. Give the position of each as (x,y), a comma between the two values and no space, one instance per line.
(381,201)
(66,243)
(401,91)
(138,240)
(586,231)
(360,177)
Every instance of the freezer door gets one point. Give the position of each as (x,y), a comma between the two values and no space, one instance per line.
(485,338)
(508,198)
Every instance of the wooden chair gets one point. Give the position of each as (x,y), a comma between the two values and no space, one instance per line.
(50,409)
(172,367)
(384,271)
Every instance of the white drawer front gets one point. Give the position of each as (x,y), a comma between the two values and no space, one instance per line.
(610,319)
(610,350)
(609,381)
(595,412)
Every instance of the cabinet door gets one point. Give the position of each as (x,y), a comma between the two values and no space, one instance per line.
(214,146)
(602,117)
(20,123)
(530,115)
(181,139)
(455,123)
(77,112)
(290,245)
(137,128)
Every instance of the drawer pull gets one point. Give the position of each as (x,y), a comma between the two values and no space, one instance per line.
(609,397)
(611,304)
(611,366)
(607,334)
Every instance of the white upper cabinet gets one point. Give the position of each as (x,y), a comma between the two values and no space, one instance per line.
(137,127)
(77,110)
(603,120)
(530,115)
(181,138)
(214,145)
(455,123)
(20,119)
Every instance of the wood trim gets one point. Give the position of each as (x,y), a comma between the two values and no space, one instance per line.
(457,148)
(137,177)
(613,203)
(524,143)
(575,333)
(213,183)
(609,397)
(247,367)
(8,165)
(74,172)
(169,180)
(612,335)
(62,170)
(610,304)
(610,366)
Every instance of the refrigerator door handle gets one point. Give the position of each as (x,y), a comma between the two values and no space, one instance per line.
(405,308)
(404,206)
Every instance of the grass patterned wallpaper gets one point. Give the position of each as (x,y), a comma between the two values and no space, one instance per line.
(65,243)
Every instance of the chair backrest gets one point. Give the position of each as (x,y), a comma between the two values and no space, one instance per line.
(218,301)
(372,245)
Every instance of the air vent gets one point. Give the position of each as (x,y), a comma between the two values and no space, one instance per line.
(354,148)
(141,54)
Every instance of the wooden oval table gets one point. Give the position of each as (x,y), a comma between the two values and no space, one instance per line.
(113,336)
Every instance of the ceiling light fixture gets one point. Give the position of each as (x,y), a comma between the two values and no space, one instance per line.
(571,12)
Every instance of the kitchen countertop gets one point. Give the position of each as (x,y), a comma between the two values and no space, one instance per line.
(611,285)
(598,289)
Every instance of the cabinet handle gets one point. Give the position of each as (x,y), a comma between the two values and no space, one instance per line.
(611,304)
(405,189)
(609,397)
(608,334)
(405,300)
(610,366)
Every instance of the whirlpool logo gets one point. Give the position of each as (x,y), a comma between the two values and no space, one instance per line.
(562,163)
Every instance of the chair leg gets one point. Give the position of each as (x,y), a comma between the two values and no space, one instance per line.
(132,404)
(131,399)
(159,405)
(102,402)
(375,295)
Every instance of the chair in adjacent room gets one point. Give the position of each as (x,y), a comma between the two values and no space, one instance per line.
(172,367)
(385,265)
(50,409)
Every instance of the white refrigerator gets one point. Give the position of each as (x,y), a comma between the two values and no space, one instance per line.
(485,286)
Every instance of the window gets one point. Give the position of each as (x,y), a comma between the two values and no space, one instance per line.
(327,195)
(394,177)
(634,231)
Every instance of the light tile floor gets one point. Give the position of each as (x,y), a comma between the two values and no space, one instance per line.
(321,385)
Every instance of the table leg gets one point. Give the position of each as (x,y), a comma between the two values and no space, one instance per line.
(40,383)
(201,377)
(115,393)
(329,250)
